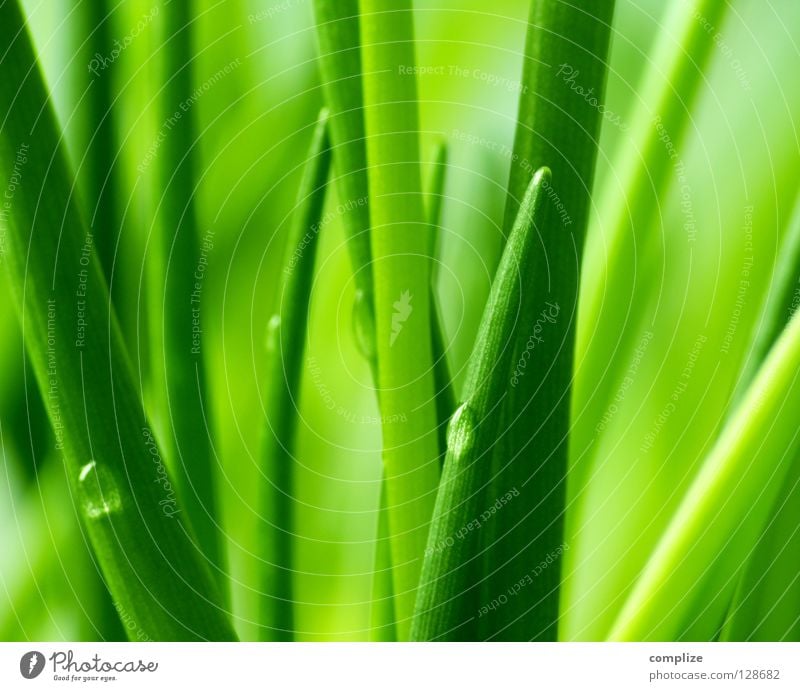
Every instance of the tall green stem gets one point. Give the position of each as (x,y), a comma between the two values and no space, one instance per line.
(286,344)
(559,122)
(338,32)
(449,605)
(401,270)
(178,289)
(443,385)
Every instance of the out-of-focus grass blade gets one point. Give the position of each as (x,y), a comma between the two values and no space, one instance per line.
(765,606)
(725,510)
(630,200)
(177,294)
(286,343)
(448,605)
(340,64)
(126,499)
(780,304)
(401,271)
(565,56)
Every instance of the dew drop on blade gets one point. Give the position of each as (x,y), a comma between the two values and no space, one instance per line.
(99,493)
(364,326)
(272,338)
(461,431)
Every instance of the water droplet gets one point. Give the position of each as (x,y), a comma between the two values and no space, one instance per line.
(461,431)
(364,326)
(99,493)
(272,338)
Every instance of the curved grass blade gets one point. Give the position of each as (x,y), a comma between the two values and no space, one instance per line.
(762,608)
(135,525)
(780,304)
(285,343)
(177,294)
(401,271)
(670,88)
(340,65)
(448,605)
(565,59)
(766,606)
(726,508)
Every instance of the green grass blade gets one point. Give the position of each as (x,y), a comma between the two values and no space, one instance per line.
(104,189)
(338,33)
(723,514)
(178,292)
(781,302)
(443,384)
(762,608)
(136,527)
(630,201)
(567,49)
(286,343)
(448,605)
(382,614)
(766,606)
(401,270)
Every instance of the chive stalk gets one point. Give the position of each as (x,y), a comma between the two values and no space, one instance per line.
(338,33)
(177,288)
(401,271)
(286,343)
(443,385)
(564,76)
(449,605)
